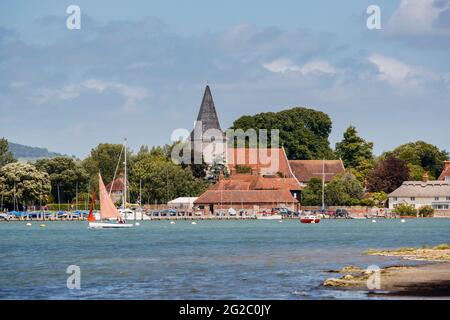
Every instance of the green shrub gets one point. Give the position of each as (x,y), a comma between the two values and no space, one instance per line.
(426,211)
(369,202)
(405,210)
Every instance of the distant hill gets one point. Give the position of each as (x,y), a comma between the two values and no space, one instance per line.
(27,153)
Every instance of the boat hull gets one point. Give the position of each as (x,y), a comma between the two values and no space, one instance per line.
(309,220)
(270,217)
(109,225)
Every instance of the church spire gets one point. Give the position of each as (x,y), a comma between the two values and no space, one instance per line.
(207,113)
(207,116)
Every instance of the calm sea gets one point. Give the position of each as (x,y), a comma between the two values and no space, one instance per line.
(210,260)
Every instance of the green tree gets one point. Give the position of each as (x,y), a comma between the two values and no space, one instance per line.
(23,180)
(312,194)
(353,149)
(416,172)
(215,170)
(162,180)
(302,132)
(199,170)
(426,211)
(344,189)
(422,154)
(104,159)
(6,156)
(405,210)
(388,175)
(377,199)
(65,173)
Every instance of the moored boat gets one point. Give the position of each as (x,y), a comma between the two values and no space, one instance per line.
(108,211)
(309,219)
(269,216)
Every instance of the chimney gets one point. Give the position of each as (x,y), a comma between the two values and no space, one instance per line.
(425,177)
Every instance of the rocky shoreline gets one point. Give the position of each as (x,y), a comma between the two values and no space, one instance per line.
(426,280)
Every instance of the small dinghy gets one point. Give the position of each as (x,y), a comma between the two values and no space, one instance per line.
(108,211)
(309,219)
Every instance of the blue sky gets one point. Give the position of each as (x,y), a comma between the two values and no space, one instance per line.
(137,69)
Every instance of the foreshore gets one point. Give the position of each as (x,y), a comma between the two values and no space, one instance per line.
(429,280)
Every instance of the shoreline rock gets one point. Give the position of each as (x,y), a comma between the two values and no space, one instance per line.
(425,280)
(440,253)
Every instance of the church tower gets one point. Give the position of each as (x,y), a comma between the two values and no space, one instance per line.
(207,136)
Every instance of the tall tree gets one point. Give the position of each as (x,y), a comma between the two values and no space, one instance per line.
(312,194)
(354,150)
(104,159)
(162,180)
(422,154)
(388,175)
(6,156)
(344,189)
(23,180)
(303,132)
(65,175)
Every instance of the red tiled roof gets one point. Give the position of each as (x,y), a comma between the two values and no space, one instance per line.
(260,160)
(304,170)
(245,196)
(446,171)
(118,185)
(274,183)
(255,182)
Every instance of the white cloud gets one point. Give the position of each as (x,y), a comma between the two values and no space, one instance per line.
(313,67)
(399,74)
(417,17)
(318,66)
(44,95)
(281,66)
(131,94)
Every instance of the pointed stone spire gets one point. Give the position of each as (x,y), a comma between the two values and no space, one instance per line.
(207,115)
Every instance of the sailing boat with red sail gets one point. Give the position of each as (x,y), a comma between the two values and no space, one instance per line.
(108,211)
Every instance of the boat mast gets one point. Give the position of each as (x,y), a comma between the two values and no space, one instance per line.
(125,175)
(323,184)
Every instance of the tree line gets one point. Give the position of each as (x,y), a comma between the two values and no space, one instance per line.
(368,178)
(153,177)
(303,132)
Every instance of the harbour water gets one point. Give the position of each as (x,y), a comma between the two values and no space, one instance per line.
(210,260)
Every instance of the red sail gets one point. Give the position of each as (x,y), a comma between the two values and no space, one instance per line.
(91,217)
(107,208)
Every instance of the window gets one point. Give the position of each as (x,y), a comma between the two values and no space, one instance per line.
(436,198)
(447,198)
(440,206)
(394,199)
(447,178)
(413,198)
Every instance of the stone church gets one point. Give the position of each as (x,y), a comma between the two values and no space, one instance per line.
(207,136)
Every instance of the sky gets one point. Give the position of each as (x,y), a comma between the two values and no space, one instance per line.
(138,69)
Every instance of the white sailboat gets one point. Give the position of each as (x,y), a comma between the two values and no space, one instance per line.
(108,211)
